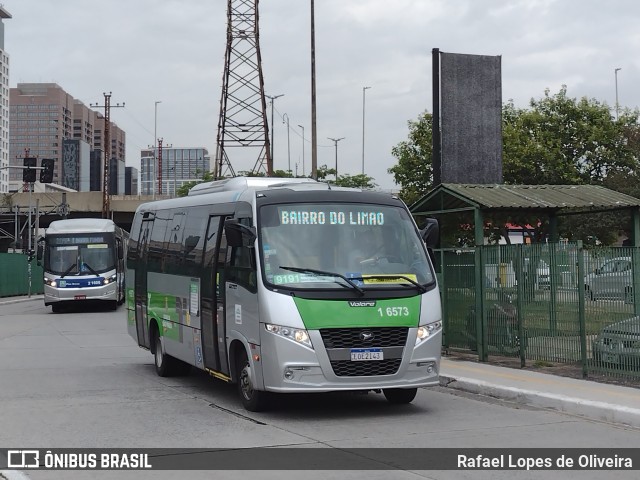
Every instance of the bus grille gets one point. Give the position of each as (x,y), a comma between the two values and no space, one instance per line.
(350,337)
(347,368)
(334,338)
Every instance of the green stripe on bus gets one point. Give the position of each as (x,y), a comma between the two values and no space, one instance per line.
(397,312)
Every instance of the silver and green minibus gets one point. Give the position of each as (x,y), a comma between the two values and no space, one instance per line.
(285,285)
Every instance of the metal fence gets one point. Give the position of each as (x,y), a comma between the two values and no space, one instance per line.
(14,275)
(545,303)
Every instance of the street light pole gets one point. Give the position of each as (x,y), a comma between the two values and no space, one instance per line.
(364,89)
(302,152)
(314,137)
(288,143)
(617,105)
(335,141)
(272,125)
(155,142)
(175,169)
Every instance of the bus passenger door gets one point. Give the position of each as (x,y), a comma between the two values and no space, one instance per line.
(140,288)
(214,341)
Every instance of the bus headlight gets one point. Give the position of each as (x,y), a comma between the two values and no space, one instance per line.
(425,331)
(295,334)
(109,280)
(49,281)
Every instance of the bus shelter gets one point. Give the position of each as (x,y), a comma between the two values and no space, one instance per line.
(473,207)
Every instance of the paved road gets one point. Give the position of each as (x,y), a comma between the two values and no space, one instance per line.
(78,380)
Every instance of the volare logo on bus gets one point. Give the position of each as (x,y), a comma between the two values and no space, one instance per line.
(362,303)
(314,217)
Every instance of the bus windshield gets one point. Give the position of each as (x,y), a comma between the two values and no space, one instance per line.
(374,246)
(88,254)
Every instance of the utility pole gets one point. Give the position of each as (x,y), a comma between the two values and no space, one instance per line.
(106,197)
(364,89)
(160,166)
(288,143)
(270,163)
(155,153)
(335,141)
(617,105)
(314,139)
(29,177)
(161,154)
(302,152)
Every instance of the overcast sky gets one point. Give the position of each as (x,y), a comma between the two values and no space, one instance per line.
(173,51)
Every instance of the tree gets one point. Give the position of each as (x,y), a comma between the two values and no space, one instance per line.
(353,181)
(183,190)
(356,181)
(564,141)
(414,171)
(557,140)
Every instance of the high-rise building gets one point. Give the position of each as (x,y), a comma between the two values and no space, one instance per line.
(47,122)
(179,166)
(4,107)
(131,181)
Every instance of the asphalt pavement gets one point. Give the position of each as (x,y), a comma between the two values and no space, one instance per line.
(587,398)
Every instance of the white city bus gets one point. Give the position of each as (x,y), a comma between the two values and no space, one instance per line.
(83,261)
(285,285)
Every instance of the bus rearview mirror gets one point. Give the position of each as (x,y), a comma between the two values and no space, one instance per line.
(431,233)
(239,235)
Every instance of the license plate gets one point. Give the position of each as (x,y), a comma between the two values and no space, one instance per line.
(610,358)
(80,297)
(366,354)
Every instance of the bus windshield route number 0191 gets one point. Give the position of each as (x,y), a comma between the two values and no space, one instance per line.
(83,261)
(285,285)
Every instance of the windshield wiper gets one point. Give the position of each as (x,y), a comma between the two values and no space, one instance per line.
(391,276)
(324,274)
(66,272)
(91,269)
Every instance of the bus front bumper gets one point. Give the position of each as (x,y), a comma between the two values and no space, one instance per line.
(291,367)
(55,295)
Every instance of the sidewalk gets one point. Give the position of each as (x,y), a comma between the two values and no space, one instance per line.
(23,298)
(598,401)
(587,398)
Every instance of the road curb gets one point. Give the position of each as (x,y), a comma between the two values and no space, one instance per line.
(10,300)
(602,411)
(13,475)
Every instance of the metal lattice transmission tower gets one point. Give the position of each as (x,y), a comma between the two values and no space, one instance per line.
(243,127)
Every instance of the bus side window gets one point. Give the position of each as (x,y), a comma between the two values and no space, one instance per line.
(242,265)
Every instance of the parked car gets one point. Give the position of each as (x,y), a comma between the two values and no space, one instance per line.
(543,275)
(612,280)
(618,345)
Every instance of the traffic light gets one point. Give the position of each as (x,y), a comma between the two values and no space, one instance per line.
(46,174)
(29,173)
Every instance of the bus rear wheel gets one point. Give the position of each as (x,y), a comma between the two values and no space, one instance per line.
(400,395)
(253,400)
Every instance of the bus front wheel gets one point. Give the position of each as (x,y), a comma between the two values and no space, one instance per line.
(253,400)
(166,365)
(400,395)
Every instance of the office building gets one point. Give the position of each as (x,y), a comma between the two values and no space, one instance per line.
(173,168)
(4,107)
(47,122)
(131,181)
